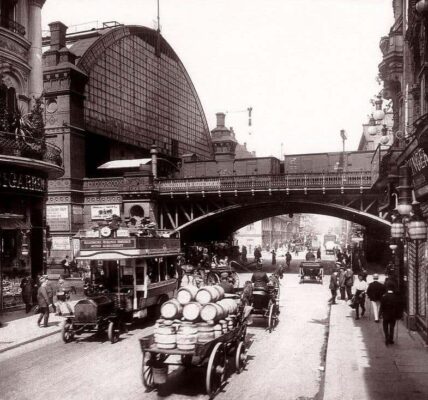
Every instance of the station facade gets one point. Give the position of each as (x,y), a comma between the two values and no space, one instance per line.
(115,93)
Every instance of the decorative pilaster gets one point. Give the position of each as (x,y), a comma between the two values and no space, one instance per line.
(35,54)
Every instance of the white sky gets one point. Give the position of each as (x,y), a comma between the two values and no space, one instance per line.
(306,67)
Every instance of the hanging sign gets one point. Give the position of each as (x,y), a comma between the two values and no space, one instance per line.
(104,211)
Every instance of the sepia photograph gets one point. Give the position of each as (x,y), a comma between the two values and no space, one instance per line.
(213,199)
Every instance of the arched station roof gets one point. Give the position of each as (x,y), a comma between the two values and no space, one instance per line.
(139,92)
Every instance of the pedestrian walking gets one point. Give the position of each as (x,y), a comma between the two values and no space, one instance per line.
(288,259)
(43,301)
(66,266)
(273,257)
(63,296)
(319,253)
(375,291)
(333,287)
(244,254)
(257,255)
(360,296)
(341,281)
(391,309)
(349,282)
(27,292)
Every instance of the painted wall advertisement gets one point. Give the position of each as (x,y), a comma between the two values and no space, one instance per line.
(58,218)
(104,211)
(61,243)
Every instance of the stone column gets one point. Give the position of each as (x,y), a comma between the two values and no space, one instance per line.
(35,53)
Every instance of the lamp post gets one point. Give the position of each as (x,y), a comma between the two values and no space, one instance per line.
(344,137)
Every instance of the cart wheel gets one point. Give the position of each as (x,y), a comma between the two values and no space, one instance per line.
(240,357)
(67,333)
(212,278)
(272,317)
(186,360)
(147,372)
(215,370)
(235,278)
(113,332)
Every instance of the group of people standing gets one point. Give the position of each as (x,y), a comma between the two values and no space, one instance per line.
(384,300)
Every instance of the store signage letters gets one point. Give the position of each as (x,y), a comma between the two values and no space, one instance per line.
(20,181)
(125,243)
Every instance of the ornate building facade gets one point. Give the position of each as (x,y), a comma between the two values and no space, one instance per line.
(403,167)
(26,160)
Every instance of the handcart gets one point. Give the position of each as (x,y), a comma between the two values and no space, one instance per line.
(211,356)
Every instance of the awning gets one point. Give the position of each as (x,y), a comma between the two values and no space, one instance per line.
(9,222)
(125,164)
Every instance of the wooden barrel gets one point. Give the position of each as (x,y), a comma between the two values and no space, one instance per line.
(186,294)
(171,309)
(218,331)
(207,294)
(165,337)
(192,311)
(205,332)
(212,312)
(158,323)
(229,323)
(223,324)
(397,230)
(220,290)
(229,305)
(187,336)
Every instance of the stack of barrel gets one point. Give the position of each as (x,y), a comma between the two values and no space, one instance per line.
(194,316)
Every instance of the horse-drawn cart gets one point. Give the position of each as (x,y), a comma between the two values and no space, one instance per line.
(211,355)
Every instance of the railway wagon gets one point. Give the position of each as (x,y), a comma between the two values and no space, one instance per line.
(328,162)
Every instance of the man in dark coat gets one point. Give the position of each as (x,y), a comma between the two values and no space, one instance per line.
(259,278)
(375,291)
(349,282)
(257,255)
(391,309)
(334,285)
(244,254)
(27,292)
(288,259)
(44,301)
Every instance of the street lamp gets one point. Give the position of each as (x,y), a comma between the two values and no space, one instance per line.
(344,137)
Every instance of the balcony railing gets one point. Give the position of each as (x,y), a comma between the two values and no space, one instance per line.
(12,25)
(355,179)
(13,145)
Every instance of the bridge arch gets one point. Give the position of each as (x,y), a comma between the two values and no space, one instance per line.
(220,223)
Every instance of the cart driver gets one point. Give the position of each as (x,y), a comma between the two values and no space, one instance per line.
(225,283)
(259,278)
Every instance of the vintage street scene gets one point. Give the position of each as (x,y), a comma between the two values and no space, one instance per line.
(214,199)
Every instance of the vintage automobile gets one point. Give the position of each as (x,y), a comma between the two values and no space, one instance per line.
(313,270)
(94,314)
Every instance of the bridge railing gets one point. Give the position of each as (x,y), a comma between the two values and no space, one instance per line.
(354,179)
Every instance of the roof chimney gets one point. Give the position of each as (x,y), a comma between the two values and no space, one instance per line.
(220,120)
(58,31)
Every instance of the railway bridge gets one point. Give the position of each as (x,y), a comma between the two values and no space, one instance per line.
(214,207)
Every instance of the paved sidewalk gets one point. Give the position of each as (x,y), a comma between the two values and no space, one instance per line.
(17,332)
(360,366)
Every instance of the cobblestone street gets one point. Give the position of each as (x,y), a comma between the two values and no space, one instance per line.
(283,364)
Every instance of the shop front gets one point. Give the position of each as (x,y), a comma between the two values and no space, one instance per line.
(22,196)
(409,232)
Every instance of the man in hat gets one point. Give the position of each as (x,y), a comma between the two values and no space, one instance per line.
(259,278)
(43,301)
(341,281)
(225,284)
(375,291)
(391,309)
